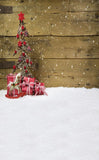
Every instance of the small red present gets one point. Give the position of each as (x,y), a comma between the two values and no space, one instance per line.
(40,88)
(28,85)
(13,84)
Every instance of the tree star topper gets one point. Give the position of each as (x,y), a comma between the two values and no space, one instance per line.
(21,16)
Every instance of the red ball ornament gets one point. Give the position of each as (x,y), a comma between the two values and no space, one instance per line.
(17,36)
(22,27)
(24,43)
(14,67)
(26,71)
(21,33)
(19,44)
(15,51)
(24,67)
(23,54)
(31,62)
(27,60)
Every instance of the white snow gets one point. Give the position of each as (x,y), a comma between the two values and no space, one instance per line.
(61,126)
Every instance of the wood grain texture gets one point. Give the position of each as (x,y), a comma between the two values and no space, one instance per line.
(70,66)
(53,47)
(56,81)
(52,5)
(6,64)
(56,72)
(64,37)
(63,24)
(6,9)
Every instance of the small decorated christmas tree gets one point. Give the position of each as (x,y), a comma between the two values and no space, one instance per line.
(24,62)
(23,83)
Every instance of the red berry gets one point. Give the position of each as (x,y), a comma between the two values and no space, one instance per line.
(21,33)
(14,67)
(15,51)
(26,71)
(23,54)
(27,60)
(17,36)
(24,67)
(31,62)
(22,27)
(19,43)
(24,43)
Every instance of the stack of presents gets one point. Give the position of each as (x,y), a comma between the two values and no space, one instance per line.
(18,86)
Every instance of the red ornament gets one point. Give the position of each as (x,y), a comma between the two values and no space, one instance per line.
(26,71)
(21,33)
(24,67)
(17,36)
(14,67)
(21,16)
(31,62)
(22,27)
(23,54)
(15,51)
(24,43)
(27,60)
(19,43)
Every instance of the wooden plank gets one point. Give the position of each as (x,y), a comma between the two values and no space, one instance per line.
(52,6)
(64,72)
(84,5)
(3,83)
(6,9)
(57,81)
(60,81)
(67,24)
(64,67)
(53,47)
(6,64)
(33,6)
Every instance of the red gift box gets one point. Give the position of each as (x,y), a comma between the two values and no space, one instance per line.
(40,88)
(13,86)
(28,85)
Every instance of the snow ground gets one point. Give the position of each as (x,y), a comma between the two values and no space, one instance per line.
(61,126)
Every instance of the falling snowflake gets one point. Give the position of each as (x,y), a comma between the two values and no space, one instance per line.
(35,17)
(61,33)
(49,7)
(65,16)
(72,66)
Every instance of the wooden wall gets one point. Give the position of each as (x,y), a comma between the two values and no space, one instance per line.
(64,37)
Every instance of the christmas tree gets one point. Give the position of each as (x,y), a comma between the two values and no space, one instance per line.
(24,62)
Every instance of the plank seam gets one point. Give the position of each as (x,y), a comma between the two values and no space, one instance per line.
(2,36)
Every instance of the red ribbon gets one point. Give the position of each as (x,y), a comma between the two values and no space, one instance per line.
(29,82)
(40,88)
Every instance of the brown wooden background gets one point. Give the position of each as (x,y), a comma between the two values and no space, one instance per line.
(64,37)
